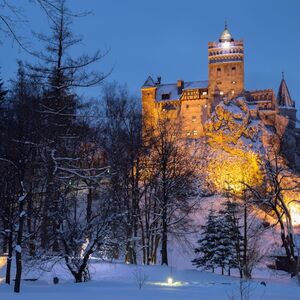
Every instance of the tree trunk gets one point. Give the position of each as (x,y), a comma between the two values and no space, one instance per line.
(246,271)
(89,204)
(29,227)
(19,245)
(164,238)
(9,256)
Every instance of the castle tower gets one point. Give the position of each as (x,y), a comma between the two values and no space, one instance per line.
(226,66)
(148,102)
(286,120)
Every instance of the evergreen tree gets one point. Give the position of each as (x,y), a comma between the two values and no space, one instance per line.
(230,242)
(3,92)
(208,243)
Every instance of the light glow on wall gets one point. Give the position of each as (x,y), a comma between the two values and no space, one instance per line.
(295,213)
(226,45)
(230,172)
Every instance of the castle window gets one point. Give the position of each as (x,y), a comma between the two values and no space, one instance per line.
(204,93)
(165,96)
(188,133)
(233,82)
(193,119)
(195,132)
(233,71)
(187,106)
(219,72)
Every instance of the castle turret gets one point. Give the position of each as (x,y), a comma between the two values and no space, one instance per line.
(283,97)
(287,120)
(226,66)
(148,102)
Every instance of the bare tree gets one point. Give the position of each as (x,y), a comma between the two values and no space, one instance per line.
(173,178)
(123,144)
(272,198)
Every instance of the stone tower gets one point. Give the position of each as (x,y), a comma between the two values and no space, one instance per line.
(226,66)
(287,110)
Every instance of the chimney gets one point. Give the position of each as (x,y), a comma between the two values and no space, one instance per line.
(180,86)
(158,81)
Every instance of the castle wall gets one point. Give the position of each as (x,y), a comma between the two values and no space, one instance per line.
(190,104)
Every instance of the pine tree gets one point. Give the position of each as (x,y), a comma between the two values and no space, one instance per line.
(3,92)
(208,244)
(224,247)
(230,242)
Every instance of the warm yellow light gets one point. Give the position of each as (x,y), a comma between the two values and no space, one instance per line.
(170,280)
(295,213)
(232,172)
(226,45)
(3,260)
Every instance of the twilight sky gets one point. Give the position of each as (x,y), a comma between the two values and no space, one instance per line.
(169,38)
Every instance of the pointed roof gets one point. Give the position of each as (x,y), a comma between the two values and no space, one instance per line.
(283,96)
(149,82)
(226,35)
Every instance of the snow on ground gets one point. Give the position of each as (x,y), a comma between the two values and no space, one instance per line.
(116,281)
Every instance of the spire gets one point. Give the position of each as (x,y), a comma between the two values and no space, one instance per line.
(283,96)
(226,35)
(149,82)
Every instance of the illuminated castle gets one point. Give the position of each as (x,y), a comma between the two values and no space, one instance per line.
(193,102)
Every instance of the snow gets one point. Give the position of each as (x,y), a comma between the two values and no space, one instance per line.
(116,281)
(119,281)
(22,198)
(18,248)
(172,89)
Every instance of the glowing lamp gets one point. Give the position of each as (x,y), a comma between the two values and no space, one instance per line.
(295,213)
(170,280)
(226,45)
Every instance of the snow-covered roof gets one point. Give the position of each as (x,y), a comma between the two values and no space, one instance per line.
(172,90)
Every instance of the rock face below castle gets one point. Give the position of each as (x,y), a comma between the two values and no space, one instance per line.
(190,104)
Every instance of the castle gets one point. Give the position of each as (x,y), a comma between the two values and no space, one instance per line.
(193,102)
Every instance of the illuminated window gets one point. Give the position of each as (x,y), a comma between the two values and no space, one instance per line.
(195,132)
(233,82)
(193,119)
(204,93)
(221,93)
(232,92)
(188,133)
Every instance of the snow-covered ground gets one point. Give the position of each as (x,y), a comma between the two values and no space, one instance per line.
(116,281)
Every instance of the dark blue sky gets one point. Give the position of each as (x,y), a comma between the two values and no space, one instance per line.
(169,38)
